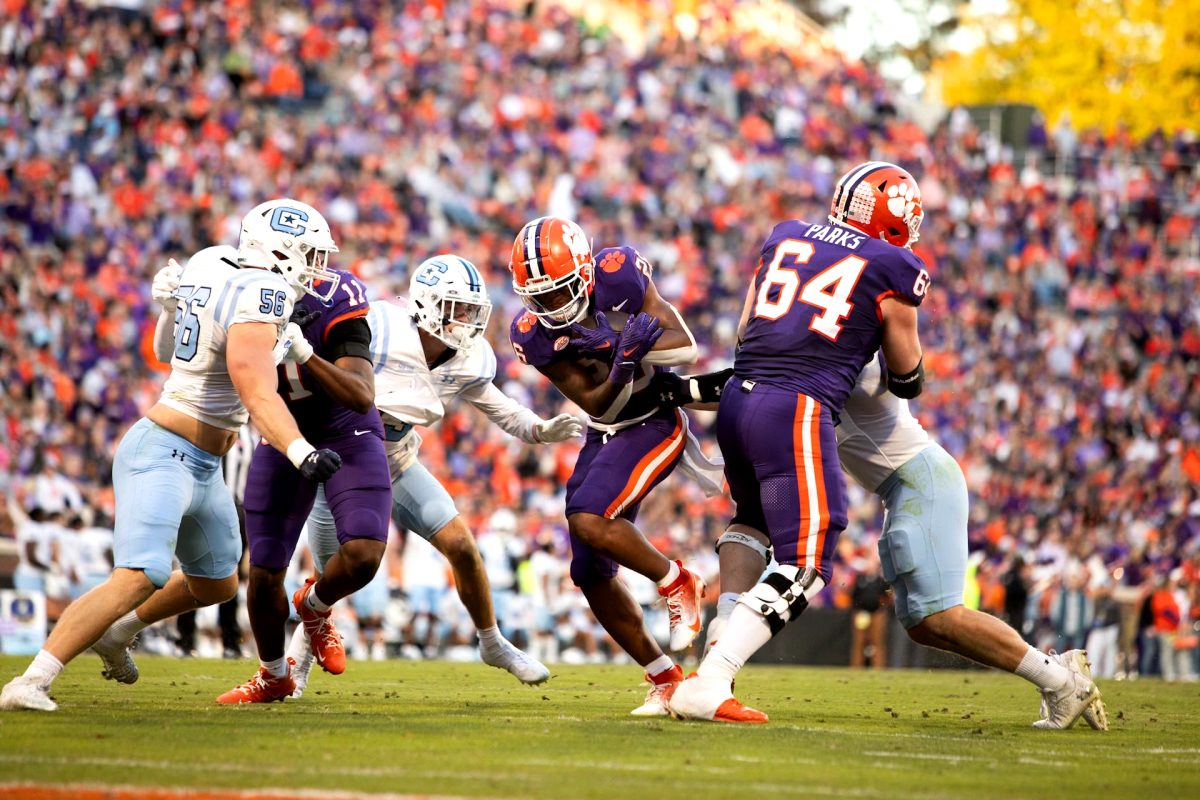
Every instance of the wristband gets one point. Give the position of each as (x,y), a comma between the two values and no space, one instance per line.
(622,372)
(299,450)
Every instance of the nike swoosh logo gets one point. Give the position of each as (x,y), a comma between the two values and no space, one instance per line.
(629,352)
(620,305)
(360,433)
(605,346)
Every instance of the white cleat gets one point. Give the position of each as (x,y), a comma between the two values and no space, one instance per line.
(656,698)
(300,652)
(1064,707)
(683,607)
(25,694)
(1095,715)
(710,700)
(521,665)
(118,662)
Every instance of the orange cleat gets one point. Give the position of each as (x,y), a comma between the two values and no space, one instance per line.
(710,700)
(683,607)
(326,642)
(659,694)
(732,710)
(262,688)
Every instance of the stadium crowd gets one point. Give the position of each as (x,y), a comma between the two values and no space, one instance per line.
(1063,332)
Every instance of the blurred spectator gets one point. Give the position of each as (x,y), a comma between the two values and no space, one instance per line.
(868,633)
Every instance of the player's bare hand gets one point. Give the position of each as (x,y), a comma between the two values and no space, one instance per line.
(601,340)
(166,283)
(320,465)
(296,347)
(559,429)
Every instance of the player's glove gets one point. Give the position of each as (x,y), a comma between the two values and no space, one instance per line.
(304,316)
(320,465)
(295,346)
(559,429)
(166,283)
(601,340)
(637,339)
(680,390)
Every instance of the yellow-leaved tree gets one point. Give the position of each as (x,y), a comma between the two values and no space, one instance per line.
(1105,62)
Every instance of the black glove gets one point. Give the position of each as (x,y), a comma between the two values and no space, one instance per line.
(320,465)
(305,316)
(680,390)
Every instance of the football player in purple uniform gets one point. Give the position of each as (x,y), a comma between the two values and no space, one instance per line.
(327,381)
(632,443)
(923,548)
(825,297)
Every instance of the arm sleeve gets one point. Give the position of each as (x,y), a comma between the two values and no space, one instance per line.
(350,337)
(511,417)
(164,337)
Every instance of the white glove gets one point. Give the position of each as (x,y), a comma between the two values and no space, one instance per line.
(295,346)
(559,429)
(166,282)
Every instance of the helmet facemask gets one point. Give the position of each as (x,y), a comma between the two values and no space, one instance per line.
(558,303)
(449,300)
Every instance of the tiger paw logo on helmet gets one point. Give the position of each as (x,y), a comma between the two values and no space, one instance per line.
(902,199)
(613,261)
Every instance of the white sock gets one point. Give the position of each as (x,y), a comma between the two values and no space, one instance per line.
(124,629)
(277,668)
(671,576)
(745,632)
(44,669)
(490,638)
(659,665)
(316,603)
(1043,671)
(725,604)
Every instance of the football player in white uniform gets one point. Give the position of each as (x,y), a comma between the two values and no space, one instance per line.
(923,553)
(222,320)
(429,349)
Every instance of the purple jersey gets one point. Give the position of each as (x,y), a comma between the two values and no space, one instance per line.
(318,415)
(622,277)
(815,319)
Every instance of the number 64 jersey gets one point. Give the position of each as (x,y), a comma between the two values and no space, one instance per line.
(215,293)
(814,318)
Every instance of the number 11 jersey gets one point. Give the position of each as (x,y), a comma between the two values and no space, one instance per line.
(814,318)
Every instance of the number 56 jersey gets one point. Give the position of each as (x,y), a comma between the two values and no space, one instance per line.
(214,294)
(814,318)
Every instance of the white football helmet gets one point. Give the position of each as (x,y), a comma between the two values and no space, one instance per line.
(292,239)
(449,300)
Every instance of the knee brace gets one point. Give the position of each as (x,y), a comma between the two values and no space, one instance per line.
(783,595)
(739,534)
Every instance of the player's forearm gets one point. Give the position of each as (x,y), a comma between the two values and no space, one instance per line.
(271,418)
(676,346)
(350,388)
(164,337)
(506,413)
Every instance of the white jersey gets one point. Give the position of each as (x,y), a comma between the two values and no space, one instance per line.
(408,392)
(215,294)
(877,434)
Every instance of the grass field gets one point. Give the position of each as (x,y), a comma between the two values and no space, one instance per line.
(468,730)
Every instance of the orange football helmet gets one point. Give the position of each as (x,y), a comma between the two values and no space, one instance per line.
(881,200)
(553,271)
